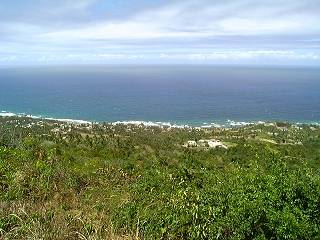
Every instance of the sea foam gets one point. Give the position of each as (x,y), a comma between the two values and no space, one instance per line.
(66,120)
(228,124)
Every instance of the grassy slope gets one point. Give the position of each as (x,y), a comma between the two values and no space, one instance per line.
(59,181)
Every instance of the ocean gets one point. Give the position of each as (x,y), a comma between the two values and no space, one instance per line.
(180,94)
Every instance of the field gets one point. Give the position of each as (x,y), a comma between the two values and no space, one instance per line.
(102,181)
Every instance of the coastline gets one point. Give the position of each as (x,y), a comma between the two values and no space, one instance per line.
(227,124)
(66,120)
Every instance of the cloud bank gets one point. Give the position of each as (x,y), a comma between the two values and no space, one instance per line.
(142,31)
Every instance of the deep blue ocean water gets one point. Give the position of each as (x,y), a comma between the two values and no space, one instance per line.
(179,94)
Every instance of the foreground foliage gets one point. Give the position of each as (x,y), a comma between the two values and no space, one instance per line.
(64,181)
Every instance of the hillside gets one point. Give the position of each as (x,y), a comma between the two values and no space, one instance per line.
(63,180)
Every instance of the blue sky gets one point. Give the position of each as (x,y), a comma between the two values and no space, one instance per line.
(160,31)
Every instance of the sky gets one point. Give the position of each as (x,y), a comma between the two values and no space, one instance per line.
(160,31)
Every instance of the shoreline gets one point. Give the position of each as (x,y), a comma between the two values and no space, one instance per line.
(228,123)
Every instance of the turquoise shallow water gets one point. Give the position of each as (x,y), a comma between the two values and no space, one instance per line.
(192,95)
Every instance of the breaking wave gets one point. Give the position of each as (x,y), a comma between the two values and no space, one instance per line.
(226,124)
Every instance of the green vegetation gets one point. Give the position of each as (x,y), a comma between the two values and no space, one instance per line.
(101,181)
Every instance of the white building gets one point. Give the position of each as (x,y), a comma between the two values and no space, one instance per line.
(213,143)
(192,144)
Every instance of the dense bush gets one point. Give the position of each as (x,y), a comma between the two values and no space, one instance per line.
(121,182)
(235,203)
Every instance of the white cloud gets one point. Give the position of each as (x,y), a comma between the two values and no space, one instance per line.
(190,27)
(182,21)
(236,54)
